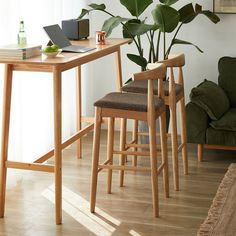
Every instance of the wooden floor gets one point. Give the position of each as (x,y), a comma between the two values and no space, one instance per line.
(127,211)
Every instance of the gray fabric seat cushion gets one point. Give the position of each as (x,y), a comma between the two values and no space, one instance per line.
(141,87)
(127,101)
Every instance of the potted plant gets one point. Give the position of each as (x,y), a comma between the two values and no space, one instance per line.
(166,20)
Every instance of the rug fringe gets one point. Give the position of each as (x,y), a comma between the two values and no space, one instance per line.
(218,202)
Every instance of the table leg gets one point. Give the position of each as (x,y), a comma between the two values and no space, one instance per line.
(78,109)
(119,82)
(57,143)
(5,134)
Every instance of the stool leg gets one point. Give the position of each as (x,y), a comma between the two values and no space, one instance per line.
(95,158)
(153,161)
(5,135)
(122,148)
(184,135)
(164,153)
(110,146)
(200,152)
(135,139)
(174,143)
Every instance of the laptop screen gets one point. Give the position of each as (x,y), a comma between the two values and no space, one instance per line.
(57,36)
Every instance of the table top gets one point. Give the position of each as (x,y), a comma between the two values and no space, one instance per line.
(70,57)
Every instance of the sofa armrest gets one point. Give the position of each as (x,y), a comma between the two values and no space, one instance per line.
(197,123)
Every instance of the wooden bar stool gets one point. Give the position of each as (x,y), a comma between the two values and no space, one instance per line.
(147,107)
(174,93)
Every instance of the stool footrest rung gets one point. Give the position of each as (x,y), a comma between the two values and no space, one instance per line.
(129,168)
(126,168)
(160,168)
(157,134)
(104,163)
(133,153)
(141,145)
(180,147)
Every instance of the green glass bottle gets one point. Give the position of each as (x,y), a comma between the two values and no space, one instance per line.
(21,37)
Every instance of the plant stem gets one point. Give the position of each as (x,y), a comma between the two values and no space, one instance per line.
(107,12)
(139,42)
(150,49)
(171,44)
(158,45)
(152,46)
(164,45)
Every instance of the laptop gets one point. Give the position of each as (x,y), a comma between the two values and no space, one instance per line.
(58,37)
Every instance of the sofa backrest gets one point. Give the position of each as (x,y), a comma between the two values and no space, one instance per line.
(227,78)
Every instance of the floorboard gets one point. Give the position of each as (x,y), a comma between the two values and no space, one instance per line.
(127,211)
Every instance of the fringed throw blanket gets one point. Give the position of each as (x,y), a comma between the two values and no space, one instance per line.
(221,219)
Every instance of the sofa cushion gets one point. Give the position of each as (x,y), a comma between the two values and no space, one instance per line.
(227,78)
(220,137)
(210,97)
(197,122)
(226,122)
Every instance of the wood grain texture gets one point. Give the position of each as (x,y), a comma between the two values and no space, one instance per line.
(130,206)
(57,89)
(31,213)
(68,60)
(5,134)
(55,65)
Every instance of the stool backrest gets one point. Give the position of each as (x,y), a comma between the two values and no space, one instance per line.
(156,71)
(175,61)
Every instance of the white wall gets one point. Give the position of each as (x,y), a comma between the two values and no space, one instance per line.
(216,40)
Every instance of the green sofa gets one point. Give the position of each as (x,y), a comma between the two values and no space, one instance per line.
(211,112)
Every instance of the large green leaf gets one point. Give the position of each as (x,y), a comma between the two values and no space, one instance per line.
(168,2)
(138,29)
(83,13)
(98,7)
(166,17)
(112,23)
(139,60)
(198,8)
(211,16)
(136,7)
(180,41)
(95,6)
(126,33)
(187,13)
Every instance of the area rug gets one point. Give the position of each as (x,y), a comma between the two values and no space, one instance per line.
(221,219)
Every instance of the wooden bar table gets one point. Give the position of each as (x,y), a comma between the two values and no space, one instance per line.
(56,66)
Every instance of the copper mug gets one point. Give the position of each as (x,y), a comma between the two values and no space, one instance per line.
(100,37)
